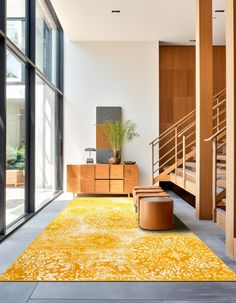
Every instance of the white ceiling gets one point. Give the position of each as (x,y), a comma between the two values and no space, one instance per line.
(169,21)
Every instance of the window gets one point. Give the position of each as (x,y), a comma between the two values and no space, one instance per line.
(16,22)
(31,104)
(46,42)
(45,138)
(15,139)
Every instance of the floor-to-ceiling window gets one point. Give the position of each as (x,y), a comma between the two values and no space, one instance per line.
(31,103)
(15,138)
(45,142)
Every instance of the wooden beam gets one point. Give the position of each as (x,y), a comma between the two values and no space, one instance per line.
(231,128)
(204,94)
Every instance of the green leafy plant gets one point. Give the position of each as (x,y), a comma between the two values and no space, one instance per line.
(11,154)
(119,132)
(21,152)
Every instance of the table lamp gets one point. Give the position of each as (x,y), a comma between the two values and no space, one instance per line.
(90,150)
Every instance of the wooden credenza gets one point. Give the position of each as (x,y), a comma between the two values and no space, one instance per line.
(101,178)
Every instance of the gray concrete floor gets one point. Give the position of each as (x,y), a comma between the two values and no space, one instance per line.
(114,292)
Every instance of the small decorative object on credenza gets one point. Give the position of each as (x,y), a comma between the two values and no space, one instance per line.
(117,133)
(130,162)
(90,150)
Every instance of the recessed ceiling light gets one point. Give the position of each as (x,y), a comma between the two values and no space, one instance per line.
(115,11)
(219,11)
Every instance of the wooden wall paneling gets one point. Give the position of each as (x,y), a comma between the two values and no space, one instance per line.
(204,94)
(177,81)
(219,68)
(231,128)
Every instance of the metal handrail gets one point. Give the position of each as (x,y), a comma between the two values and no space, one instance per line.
(215,135)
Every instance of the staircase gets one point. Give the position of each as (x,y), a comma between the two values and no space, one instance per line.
(174,155)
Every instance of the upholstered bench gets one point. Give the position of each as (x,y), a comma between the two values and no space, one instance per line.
(156,213)
(144,190)
(151,187)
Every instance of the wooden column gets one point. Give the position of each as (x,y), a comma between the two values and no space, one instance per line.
(231,128)
(204,94)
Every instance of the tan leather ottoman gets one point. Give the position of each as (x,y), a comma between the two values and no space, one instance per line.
(156,213)
(142,195)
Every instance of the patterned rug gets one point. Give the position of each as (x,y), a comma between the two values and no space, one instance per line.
(98,239)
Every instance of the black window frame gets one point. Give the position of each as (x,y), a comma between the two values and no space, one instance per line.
(28,58)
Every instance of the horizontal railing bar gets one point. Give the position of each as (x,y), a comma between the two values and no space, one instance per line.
(172,139)
(186,129)
(219,114)
(190,134)
(219,94)
(219,104)
(179,143)
(180,122)
(219,124)
(221,145)
(162,157)
(216,134)
(177,154)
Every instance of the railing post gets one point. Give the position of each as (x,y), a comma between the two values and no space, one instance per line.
(217,113)
(214,174)
(152,164)
(184,160)
(176,150)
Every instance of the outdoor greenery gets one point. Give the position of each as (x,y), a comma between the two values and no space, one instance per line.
(16,157)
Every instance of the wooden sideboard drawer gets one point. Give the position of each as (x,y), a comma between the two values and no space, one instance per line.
(102,186)
(116,186)
(131,172)
(129,185)
(116,171)
(102,171)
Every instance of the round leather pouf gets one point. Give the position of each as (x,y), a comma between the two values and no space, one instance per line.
(156,213)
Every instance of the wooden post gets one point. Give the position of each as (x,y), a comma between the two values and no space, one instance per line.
(176,151)
(204,95)
(184,161)
(214,174)
(231,128)
(153,164)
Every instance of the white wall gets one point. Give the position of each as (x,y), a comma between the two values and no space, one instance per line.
(111,74)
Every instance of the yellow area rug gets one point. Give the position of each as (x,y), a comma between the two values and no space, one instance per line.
(98,239)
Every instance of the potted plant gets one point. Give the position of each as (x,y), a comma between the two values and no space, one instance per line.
(119,132)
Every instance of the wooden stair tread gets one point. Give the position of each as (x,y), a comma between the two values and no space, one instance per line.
(221,157)
(190,175)
(221,183)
